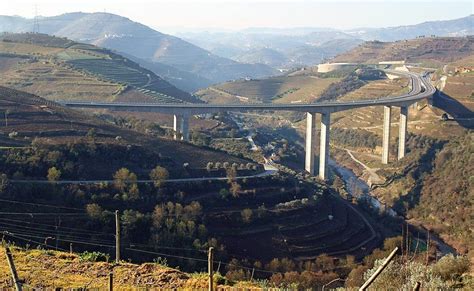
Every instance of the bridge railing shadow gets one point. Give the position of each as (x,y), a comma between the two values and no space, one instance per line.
(460,113)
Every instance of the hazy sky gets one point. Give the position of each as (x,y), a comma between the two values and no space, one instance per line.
(230,14)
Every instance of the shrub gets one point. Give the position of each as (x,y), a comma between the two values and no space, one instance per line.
(246,215)
(159,175)
(450,267)
(94,257)
(54,174)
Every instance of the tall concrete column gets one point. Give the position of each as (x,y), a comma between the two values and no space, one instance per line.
(324,145)
(402,135)
(310,140)
(387,111)
(185,127)
(176,127)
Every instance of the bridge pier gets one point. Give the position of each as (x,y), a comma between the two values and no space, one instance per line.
(185,127)
(387,111)
(402,135)
(176,127)
(324,145)
(310,141)
(181,127)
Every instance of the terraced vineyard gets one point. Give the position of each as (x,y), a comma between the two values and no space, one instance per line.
(284,89)
(58,68)
(117,71)
(297,223)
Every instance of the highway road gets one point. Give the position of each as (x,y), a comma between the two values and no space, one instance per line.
(421,88)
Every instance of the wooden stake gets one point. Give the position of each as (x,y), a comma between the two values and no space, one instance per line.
(379,270)
(111,281)
(11,265)
(403,239)
(416,246)
(210,268)
(428,248)
(117,237)
(407,250)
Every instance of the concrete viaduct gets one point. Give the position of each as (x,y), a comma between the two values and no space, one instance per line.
(421,88)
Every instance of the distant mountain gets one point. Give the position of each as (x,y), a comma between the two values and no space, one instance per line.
(308,46)
(279,48)
(121,34)
(456,27)
(265,56)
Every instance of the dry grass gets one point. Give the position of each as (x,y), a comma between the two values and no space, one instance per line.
(49,269)
(44,269)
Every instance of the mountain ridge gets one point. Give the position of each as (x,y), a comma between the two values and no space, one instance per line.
(123,35)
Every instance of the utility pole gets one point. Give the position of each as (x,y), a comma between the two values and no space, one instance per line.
(117,237)
(210,268)
(379,270)
(11,265)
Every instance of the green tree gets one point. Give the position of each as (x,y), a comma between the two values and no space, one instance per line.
(134,192)
(159,175)
(235,189)
(246,215)
(123,177)
(53,174)
(94,210)
(231,174)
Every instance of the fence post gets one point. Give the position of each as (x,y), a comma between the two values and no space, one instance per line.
(379,270)
(210,268)
(11,265)
(111,281)
(70,248)
(117,237)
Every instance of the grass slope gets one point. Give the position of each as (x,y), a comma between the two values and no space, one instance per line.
(53,269)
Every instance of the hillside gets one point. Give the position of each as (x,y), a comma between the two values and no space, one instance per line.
(302,86)
(121,34)
(233,213)
(284,89)
(427,51)
(440,133)
(33,119)
(59,68)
